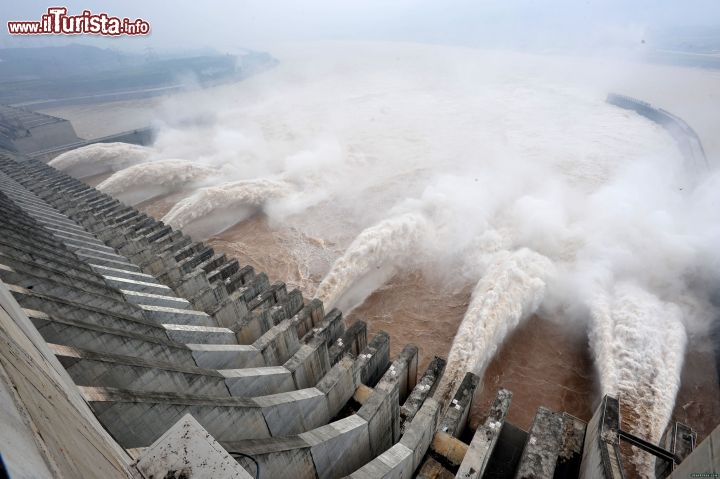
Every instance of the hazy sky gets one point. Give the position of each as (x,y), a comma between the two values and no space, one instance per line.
(255,23)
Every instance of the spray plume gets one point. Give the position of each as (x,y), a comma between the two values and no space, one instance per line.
(100,158)
(230,202)
(371,259)
(145,181)
(639,344)
(510,290)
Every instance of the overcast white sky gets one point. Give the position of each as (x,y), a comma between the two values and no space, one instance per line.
(227,25)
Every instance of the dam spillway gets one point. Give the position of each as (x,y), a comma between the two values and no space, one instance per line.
(169,342)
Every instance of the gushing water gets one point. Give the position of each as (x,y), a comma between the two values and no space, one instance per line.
(147,180)
(639,344)
(510,290)
(100,158)
(371,259)
(230,202)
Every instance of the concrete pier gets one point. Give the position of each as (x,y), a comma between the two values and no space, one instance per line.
(543,446)
(485,439)
(455,419)
(423,389)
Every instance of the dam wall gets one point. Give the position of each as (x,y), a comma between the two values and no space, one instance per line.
(140,136)
(44,137)
(26,131)
(687,140)
(132,350)
(42,411)
(258,367)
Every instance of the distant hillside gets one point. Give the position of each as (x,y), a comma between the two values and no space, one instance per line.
(29,75)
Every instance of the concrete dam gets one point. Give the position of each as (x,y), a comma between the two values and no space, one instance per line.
(130,350)
(687,139)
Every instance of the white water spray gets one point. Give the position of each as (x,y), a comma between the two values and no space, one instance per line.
(215,208)
(639,344)
(100,158)
(145,181)
(371,259)
(510,290)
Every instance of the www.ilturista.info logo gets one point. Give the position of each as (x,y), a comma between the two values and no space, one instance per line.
(57,22)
